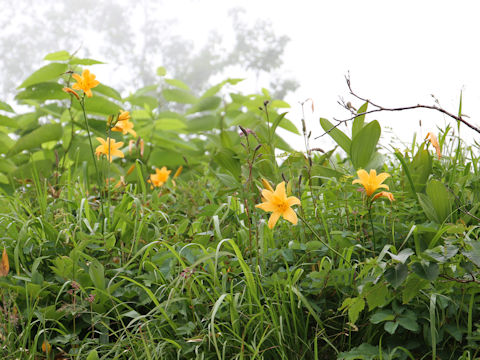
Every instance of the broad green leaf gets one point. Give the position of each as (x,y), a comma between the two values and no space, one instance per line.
(420,169)
(34,139)
(474,254)
(205,104)
(426,270)
(43,168)
(8,122)
(178,84)
(161,71)
(402,256)
(362,352)
(279,104)
(6,142)
(396,275)
(325,172)
(390,327)
(170,124)
(97,274)
(427,207)
(77,61)
(354,306)
(277,122)
(359,120)
(107,91)
(98,105)
(441,199)
(5,107)
(179,96)
(203,123)
(336,134)
(43,91)
(409,322)
(413,285)
(363,146)
(376,295)
(442,254)
(381,316)
(228,160)
(93,355)
(58,56)
(46,73)
(143,101)
(167,158)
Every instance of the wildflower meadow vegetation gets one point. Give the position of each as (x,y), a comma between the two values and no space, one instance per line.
(170,225)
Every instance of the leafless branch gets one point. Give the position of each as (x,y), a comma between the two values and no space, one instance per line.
(379,108)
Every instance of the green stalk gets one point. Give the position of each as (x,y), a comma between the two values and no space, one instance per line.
(82,104)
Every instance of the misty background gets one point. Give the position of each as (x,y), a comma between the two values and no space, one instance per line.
(397,55)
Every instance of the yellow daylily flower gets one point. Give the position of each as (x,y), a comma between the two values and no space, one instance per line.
(386,194)
(279,204)
(85,82)
(160,177)
(372,181)
(46,347)
(124,125)
(433,140)
(109,148)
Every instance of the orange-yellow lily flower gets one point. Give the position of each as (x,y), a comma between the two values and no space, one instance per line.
(124,125)
(372,181)
(160,177)
(109,148)
(4,265)
(70,91)
(279,204)
(433,140)
(86,82)
(386,194)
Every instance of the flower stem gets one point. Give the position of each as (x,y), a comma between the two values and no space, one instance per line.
(82,104)
(320,239)
(373,229)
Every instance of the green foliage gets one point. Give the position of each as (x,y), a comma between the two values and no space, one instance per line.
(105,262)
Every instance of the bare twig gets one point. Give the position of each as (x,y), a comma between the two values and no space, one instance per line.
(379,108)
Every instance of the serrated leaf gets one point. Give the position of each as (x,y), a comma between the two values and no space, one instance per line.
(359,120)
(362,352)
(34,139)
(412,287)
(336,134)
(355,306)
(396,275)
(179,96)
(46,73)
(58,56)
(364,145)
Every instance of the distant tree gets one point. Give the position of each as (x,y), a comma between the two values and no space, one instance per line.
(33,28)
